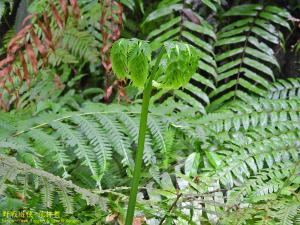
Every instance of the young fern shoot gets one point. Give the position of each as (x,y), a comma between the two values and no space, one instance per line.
(172,69)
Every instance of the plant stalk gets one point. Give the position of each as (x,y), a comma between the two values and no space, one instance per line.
(139,155)
(141,143)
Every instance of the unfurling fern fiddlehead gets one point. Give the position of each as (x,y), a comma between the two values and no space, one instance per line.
(173,67)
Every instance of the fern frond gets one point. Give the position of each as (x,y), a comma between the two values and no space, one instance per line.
(157,130)
(286,213)
(11,168)
(98,139)
(81,44)
(248,57)
(253,114)
(65,199)
(54,150)
(117,137)
(82,150)
(47,193)
(131,126)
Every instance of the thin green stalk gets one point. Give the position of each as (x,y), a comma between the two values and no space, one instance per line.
(141,143)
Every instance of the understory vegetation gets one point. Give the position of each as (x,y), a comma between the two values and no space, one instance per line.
(223,131)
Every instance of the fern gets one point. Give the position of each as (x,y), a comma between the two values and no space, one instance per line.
(56,37)
(97,139)
(47,193)
(133,130)
(73,138)
(247,56)
(52,145)
(248,168)
(118,139)
(88,136)
(12,168)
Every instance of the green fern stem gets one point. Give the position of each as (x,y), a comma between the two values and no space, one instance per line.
(141,143)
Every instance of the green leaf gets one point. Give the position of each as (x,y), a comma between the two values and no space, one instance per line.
(227,74)
(203,80)
(230,40)
(170,35)
(210,5)
(280,11)
(189,100)
(228,66)
(233,32)
(200,29)
(213,158)
(207,68)
(252,87)
(236,24)
(265,35)
(259,66)
(198,92)
(163,12)
(253,76)
(191,164)
(229,53)
(276,19)
(215,104)
(223,88)
(244,10)
(262,56)
(266,25)
(164,27)
(261,46)
(197,41)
